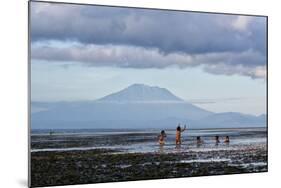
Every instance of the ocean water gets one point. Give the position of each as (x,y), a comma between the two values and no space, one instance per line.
(145,141)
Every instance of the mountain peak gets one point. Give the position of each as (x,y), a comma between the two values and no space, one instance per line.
(138,85)
(146,87)
(141,93)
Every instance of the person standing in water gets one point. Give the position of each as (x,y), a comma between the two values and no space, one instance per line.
(199,141)
(227,140)
(161,137)
(178,134)
(217,140)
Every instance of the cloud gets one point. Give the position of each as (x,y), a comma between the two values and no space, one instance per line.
(168,31)
(241,22)
(253,72)
(144,38)
(248,63)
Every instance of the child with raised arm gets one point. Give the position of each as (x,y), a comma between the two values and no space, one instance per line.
(178,134)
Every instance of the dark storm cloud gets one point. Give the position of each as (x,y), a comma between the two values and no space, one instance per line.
(168,31)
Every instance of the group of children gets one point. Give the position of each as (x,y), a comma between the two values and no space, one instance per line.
(179,130)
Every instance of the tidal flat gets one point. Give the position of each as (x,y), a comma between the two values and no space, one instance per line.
(107,165)
(96,156)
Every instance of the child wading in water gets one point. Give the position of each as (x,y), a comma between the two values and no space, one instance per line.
(227,140)
(199,141)
(217,140)
(178,134)
(162,137)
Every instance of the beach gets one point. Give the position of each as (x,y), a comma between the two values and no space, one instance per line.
(90,156)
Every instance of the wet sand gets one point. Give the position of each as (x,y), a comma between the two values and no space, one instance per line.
(108,165)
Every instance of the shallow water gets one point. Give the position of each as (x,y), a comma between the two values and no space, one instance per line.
(145,141)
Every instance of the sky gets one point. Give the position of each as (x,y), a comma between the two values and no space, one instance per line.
(215,61)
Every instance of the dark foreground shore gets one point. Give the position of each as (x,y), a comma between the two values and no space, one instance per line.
(100,165)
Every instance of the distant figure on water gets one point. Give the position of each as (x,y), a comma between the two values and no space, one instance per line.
(227,140)
(199,141)
(217,139)
(161,137)
(178,134)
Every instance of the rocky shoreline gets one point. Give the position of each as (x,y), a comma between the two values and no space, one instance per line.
(49,168)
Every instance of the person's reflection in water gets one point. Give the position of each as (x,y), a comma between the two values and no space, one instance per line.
(178,147)
(161,148)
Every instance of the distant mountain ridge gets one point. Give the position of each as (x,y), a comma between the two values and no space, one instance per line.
(233,119)
(137,106)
